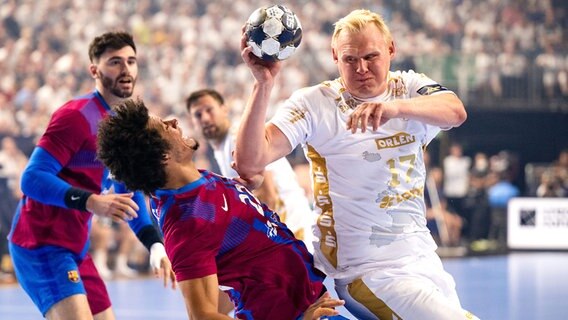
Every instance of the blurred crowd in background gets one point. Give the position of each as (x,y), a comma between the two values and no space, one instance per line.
(492,52)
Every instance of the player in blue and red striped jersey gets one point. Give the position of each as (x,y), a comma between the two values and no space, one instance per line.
(216,233)
(64,185)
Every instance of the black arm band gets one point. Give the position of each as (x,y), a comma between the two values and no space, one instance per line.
(76,198)
(148,235)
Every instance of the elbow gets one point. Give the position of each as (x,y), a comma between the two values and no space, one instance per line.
(246,169)
(461,116)
(26,181)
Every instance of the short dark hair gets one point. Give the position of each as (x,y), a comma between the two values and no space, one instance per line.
(134,153)
(110,40)
(196,95)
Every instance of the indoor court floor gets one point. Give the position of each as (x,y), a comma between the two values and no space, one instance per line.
(519,285)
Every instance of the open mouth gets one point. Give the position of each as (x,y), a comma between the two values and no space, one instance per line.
(125,81)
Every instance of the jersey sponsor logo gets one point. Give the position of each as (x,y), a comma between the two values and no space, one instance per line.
(73,276)
(225,207)
(387,201)
(431,88)
(399,139)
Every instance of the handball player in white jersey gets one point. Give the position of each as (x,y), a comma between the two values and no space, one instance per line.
(364,135)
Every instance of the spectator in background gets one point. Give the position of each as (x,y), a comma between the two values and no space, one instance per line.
(112,243)
(476,202)
(437,212)
(554,181)
(499,194)
(12,164)
(456,180)
(8,124)
(560,167)
(554,72)
(512,66)
(550,186)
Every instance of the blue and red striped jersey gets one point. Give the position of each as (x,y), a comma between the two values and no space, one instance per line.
(216,226)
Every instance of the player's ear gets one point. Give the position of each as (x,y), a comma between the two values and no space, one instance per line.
(93,71)
(392,50)
(334,55)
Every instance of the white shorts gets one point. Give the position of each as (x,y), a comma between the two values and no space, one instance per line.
(421,290)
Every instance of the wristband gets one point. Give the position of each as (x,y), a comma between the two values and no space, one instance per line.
(157,253)
(148,236)
(76,198)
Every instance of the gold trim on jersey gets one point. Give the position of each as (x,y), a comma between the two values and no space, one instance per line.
(322,200)
(297,114)
(362,294)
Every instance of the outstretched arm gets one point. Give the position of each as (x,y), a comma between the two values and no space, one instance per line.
(257,145)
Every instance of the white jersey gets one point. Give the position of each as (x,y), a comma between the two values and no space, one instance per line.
(368,187)
(295,211)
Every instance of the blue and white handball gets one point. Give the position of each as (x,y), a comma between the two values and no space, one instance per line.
(273,32)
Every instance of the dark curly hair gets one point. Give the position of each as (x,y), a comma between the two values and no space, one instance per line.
(134,153)
(115,40)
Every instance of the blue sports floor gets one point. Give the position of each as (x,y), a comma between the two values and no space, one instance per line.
(520,285)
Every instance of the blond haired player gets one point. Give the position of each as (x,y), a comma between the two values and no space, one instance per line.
(364,135)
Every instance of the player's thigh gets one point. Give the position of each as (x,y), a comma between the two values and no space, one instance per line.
(73,307)
(97,294)
(382,295)
(48,274)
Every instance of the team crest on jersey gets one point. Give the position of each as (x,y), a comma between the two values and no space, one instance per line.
(431,88)
(396,86)
(345,101)
(73,276)
(271,229)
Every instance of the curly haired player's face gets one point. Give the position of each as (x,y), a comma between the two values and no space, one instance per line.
(182,147)
(363,59)
(117,71)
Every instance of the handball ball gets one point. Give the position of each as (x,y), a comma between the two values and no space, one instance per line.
(273,32)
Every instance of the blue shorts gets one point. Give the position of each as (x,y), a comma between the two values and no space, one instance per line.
(50,274)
